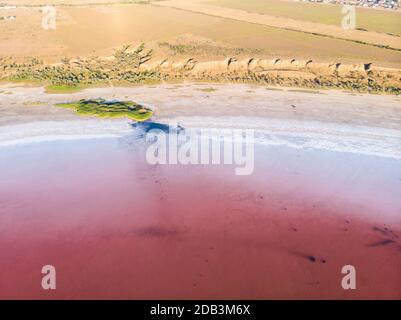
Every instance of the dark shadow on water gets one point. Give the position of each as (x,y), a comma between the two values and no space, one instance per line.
(140,129)
(147,126)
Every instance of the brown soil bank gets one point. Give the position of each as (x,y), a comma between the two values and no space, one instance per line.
(304,73)
(137,66)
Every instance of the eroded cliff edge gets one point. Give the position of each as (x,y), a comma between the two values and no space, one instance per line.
(136,66)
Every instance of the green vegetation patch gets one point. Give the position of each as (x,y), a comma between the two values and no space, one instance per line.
(305,91)
(109,109)
(274,89)
(34,103)
(210,89)
(62,88)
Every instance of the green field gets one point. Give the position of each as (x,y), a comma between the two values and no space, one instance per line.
(385,21)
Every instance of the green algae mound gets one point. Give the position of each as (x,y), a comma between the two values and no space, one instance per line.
(109,109)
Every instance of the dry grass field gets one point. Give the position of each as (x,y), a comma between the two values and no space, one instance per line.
(386,21)
(86,27)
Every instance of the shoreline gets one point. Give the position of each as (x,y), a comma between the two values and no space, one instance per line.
(306,136)
(330,120)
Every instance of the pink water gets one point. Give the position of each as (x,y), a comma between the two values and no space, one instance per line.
(115,227)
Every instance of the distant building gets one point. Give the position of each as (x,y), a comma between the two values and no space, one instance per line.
(387,4)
